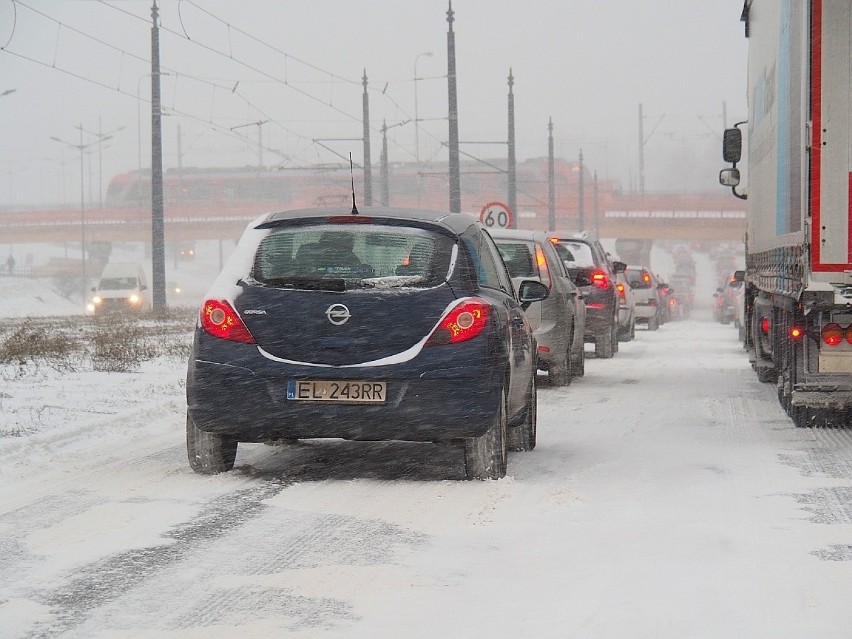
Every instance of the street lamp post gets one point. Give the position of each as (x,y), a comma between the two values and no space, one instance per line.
(427,54)
(81,147)
(258,124)
(102,137)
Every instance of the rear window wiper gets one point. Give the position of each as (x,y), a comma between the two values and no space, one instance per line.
(306,283)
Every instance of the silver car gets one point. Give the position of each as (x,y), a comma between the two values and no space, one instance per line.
(558,321)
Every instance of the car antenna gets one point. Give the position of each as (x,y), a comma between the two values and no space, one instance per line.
(352,175)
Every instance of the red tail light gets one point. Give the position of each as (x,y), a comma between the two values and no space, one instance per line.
(465,321)
(599,279)
(543,270)
(220,319)
(832,334)
(349,219)
(620,288)
(764,326)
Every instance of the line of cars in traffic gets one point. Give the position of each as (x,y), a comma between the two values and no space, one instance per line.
(396,324)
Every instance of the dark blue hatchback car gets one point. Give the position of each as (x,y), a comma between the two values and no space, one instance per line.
(383,324)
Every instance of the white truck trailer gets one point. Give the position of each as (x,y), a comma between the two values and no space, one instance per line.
(798,297)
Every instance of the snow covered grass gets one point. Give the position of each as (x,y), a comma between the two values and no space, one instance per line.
(77,359)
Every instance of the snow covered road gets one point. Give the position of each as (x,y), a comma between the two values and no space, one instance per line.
(669,496)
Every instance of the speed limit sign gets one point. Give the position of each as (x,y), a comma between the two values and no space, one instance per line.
(496,215)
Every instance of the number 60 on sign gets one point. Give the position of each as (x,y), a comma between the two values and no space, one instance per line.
(496,215)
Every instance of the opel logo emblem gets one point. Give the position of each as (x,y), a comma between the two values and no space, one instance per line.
(337,314)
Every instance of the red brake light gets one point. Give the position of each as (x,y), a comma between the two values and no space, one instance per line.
(764,326)
(220,319)
(349,219)
(464,321)
(599,279)
(832,334)
(543,270)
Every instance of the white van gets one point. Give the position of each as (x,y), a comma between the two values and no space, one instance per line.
(122,288)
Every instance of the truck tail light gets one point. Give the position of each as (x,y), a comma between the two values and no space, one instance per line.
(464,321)
(832,334)
(796,333)
(764,326)
(219,319)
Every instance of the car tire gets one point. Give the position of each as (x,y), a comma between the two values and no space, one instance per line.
(560,375)
(578,364)
(653,323)
(615,336)
(485,457)
(522,436)
(603,345)
(628,332)
(209,453)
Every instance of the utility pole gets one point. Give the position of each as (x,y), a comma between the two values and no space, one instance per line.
(512,175)
(597,210)
(158,241)
(582,196)
(259,124)
(102,137)
(84,273)
(452,100)
(384,163)
(417,122)
(551,183)
(641,154)
(368,173)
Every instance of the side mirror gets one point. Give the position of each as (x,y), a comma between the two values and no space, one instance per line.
(94,289)
(732,146)
(619,267)
(739,276)
(531,291)
(729,177)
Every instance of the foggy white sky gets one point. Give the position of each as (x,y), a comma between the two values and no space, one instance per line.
(588,64)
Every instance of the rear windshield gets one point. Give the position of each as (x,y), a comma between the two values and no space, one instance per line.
(350,256)
(518,257)
(575,254)
(639,278)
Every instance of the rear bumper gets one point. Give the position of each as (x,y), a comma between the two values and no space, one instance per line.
(645,311)
(817,398)
(427,400)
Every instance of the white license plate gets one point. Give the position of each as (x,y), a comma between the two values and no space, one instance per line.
(344,391)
